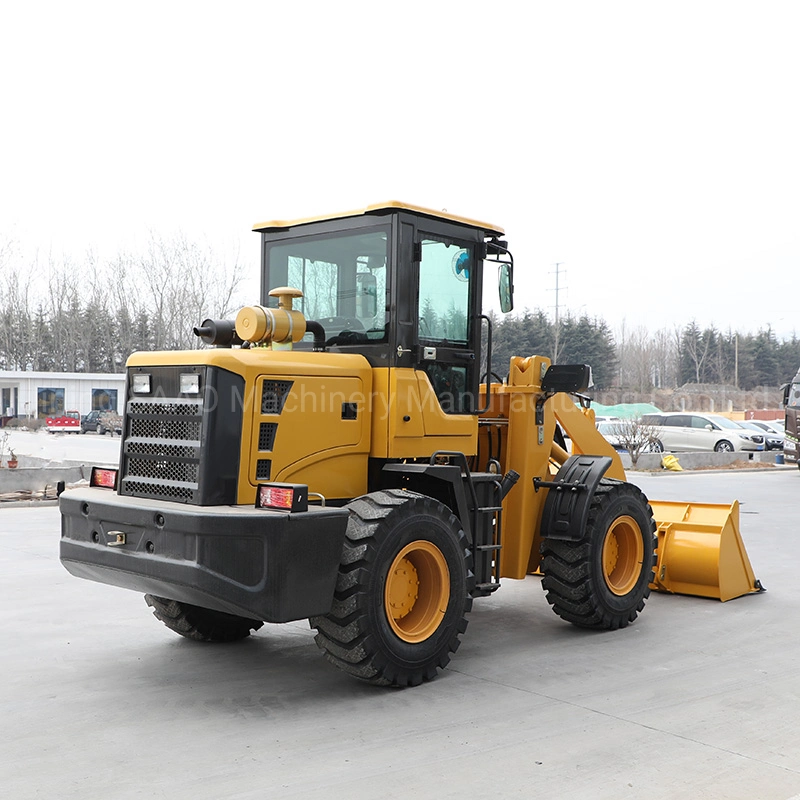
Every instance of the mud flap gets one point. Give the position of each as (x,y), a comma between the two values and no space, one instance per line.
(566,508)
(701,552)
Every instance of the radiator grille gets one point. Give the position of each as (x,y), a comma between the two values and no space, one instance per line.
(161,450)
(263,469)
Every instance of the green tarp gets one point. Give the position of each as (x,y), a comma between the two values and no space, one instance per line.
(625,410)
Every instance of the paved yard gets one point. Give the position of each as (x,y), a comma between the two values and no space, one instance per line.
(698,699)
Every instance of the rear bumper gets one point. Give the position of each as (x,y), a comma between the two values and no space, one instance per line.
(266,565)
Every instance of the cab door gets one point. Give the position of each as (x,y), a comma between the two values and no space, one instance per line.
(447,334)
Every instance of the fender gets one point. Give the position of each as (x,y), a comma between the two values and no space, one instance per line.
(569,496)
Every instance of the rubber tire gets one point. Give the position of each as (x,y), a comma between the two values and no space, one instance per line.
(356,635)
(657,446)
(573,571)
(723,446)
(201,624)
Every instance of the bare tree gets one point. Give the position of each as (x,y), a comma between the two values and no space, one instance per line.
(636,436)
(182,283)
(635,354)
(695,346)
(666,367)
(15,317)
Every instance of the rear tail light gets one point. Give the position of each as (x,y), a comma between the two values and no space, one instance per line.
(105,478)
(282,496)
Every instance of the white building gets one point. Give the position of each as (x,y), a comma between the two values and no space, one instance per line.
(48,394)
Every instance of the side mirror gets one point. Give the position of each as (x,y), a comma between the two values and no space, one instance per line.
(506,287)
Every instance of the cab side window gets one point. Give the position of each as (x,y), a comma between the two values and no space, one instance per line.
(444,292)
(444,325)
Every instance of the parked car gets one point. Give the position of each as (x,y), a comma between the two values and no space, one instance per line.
(598,420)
(682,432)
(612,432)
(68,422)
(101,422)
(773,437)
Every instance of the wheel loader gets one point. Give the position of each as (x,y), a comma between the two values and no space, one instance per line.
(349,453)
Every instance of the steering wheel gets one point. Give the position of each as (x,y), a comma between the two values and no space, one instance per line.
(347,337)
(343,323)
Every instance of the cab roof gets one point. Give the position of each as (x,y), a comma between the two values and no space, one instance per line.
(378,209)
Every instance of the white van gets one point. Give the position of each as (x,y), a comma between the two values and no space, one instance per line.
(681,432)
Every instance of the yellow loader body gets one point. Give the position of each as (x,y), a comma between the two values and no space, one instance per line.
(700,551)
(700,548)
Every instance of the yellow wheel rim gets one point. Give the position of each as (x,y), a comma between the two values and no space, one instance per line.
(417,591)
(623,554)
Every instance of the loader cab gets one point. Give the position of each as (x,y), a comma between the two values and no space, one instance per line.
(399,284)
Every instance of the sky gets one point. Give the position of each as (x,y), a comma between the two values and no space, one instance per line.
(651,149)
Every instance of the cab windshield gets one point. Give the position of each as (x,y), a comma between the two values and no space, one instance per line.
(343,280)
(794,396)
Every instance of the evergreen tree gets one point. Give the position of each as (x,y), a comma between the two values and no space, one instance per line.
(788,359)
(765,356)
(583,341)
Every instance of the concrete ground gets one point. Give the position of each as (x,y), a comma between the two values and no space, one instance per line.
(697,699)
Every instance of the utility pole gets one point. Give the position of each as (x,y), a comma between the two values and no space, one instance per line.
(555,343)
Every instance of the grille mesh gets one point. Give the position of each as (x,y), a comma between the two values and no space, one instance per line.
(165,429)
(140,489)
(263,469)
(159,448)
(266,435)
(274,396)
(184,471)
(164,408)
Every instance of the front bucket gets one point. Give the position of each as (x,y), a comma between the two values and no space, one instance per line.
(701,552)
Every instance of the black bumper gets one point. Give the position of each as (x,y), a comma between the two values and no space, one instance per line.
(266,565)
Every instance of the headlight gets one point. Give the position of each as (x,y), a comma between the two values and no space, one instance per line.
(140,383)
(190,383)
